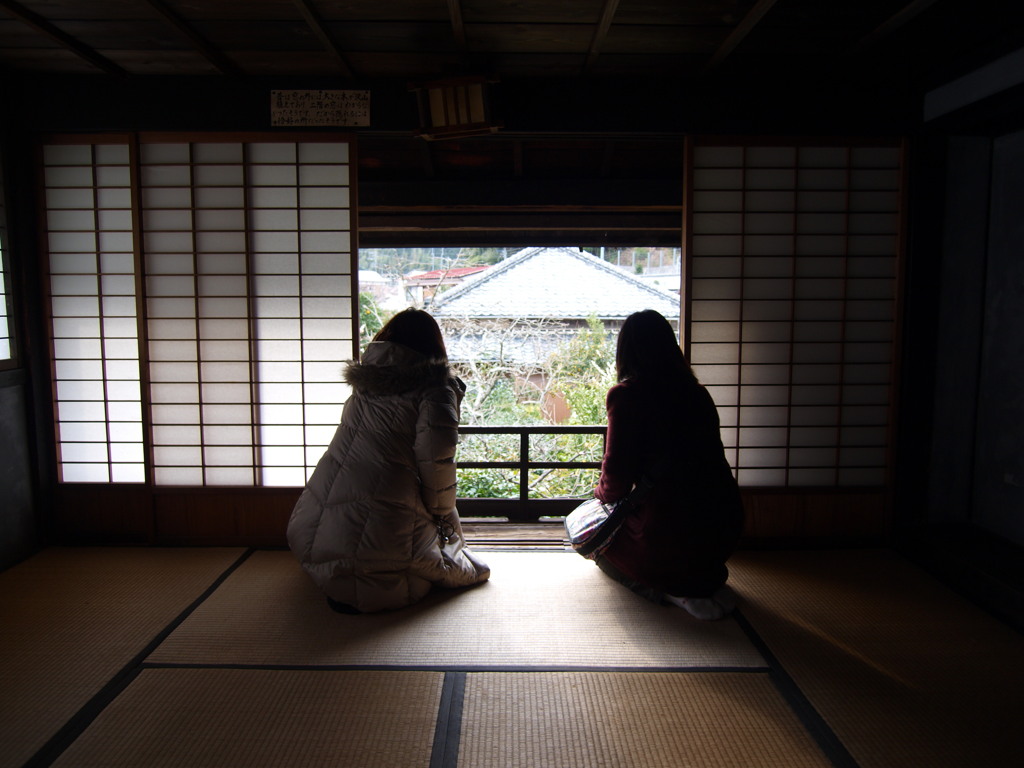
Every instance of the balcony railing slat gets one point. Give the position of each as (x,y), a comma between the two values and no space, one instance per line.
(524,508)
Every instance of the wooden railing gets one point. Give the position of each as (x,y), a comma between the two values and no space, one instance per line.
(523,508)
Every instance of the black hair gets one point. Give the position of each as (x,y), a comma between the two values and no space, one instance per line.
(417,330)
(647,348)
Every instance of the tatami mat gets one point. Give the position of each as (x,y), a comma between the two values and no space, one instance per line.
(904,671)
(71,619)
(654,720)
(540,609)
(222,718)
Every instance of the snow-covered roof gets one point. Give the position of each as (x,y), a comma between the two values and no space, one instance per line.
(445,274)
(371,276)
(561,283)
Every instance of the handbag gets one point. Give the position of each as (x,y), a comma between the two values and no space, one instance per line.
(593,524)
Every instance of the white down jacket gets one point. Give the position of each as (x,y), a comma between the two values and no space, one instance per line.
(366,527)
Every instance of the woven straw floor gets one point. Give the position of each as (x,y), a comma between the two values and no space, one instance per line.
(169,718)
(654,720)
(905,672)
(72,619)
(219,657)
(539,609)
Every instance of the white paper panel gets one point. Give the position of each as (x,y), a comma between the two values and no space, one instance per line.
(218,197)
(273,197)
(284,219)
(731,200)
(168,475)
(819,436)
(218,175)
(84,473)
(765,477)
(763,417)
(229,475)
(227,434)
(313,175)
(216,152)
(812,457)
(772,157)
(810,478)
(220,414)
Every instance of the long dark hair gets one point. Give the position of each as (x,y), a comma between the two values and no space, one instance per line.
(647,349)
(417,330)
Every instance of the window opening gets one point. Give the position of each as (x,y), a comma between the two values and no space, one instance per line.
(532,333)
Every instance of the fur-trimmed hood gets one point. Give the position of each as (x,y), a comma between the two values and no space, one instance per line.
(391,369)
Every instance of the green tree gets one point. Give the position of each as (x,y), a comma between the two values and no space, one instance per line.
(371,318)
(502,391)
(582,370)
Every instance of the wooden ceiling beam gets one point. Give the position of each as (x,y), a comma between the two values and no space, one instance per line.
(739,33)
(312,18)
(458,27)
(902,17)
(45,27)
(211,54)
(600,33)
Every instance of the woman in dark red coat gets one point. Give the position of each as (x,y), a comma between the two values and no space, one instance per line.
(674,545)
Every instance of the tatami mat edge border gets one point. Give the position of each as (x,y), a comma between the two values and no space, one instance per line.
(82,719)
(809,717)
(448,732)
(453,668)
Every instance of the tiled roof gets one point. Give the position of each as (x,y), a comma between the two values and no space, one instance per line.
(563,283)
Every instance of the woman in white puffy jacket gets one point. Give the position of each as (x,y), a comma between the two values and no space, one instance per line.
(376,525)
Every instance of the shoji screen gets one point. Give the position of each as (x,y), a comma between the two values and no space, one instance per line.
(6,346)
(792,286)
(230,263)
(5,328)
(95,313)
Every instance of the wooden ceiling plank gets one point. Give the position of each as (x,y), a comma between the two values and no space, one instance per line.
(315,23)
(744,28)
(607,14)
(211,54)
(43,26)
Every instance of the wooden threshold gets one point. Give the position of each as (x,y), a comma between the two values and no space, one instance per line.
(501,534)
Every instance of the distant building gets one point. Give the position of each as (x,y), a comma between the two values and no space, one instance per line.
(386,291)
(422,287)
(521,310)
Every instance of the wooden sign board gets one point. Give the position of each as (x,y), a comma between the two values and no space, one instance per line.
(319,108)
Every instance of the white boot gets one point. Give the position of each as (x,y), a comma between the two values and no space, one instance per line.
(704,608)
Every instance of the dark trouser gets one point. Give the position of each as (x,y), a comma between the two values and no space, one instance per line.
(646,592)
(342,607)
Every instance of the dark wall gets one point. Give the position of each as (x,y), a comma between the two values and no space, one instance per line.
(961,269)
(962,408)
(17,508)
(19,488)
(999,456)
(976,456)
(581,106)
